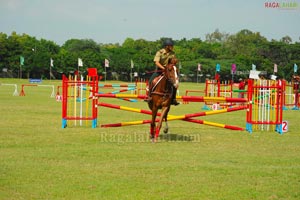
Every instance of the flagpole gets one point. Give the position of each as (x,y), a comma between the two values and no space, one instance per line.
(21,63)
(131,74)
(233,71)
(198,70)
(78,63)
(50,69)
(106,64)
(131,67)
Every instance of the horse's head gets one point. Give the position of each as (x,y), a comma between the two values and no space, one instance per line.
(171,72)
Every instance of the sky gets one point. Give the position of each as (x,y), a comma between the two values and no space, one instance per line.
(112,21)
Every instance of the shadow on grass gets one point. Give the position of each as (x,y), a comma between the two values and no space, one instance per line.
(170,137)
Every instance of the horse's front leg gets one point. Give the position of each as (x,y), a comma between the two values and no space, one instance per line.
(158,126)
(152,125)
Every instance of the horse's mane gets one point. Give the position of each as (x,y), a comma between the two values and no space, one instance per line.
(173,61)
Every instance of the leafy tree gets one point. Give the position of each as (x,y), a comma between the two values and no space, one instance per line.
(286,39)
(243,48)
(3,51)
(216,37)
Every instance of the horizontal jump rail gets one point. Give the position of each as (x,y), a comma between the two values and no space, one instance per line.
(186,117)
(184,98)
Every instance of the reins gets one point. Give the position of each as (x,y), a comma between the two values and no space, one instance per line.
(168,82)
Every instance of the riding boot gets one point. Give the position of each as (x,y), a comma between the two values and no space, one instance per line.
(174,101)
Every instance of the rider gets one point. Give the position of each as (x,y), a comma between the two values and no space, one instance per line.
(161,59)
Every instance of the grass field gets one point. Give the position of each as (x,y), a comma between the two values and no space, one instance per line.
(41,160)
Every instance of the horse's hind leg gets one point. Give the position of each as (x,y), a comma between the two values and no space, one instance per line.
(166,129)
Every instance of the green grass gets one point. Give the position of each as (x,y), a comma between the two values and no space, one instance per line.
(40,160)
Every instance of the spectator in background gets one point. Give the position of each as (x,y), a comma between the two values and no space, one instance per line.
(242,86)
(296,82)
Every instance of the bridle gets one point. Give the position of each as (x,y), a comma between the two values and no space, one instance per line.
(173,80)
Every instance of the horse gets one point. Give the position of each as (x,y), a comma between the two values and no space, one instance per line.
(161,97)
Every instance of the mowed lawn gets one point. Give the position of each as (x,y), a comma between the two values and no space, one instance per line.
(41,160)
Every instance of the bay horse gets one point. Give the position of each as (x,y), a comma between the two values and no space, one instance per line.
(161,97)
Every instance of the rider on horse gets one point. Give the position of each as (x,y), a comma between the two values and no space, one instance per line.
(161,59)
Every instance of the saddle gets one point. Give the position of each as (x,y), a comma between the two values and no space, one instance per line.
(154,83)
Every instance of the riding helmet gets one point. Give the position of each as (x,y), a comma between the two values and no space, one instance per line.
(168,42)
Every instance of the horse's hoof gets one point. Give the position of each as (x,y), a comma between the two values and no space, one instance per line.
(151,137)
(166,130)
(154,140)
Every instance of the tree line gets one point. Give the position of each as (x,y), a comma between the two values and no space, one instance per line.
(244,49)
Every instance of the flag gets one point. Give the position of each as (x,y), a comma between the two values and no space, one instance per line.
(51,62)
(295,68)
(253,67)
(80,63)
(218,67)
(106,63)
(131,64)
(254,74)
(273,77)
(233,68)
(22,60)
(199,67)
(275,68)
